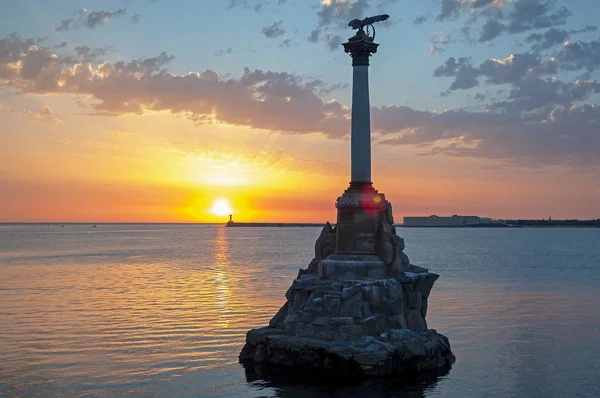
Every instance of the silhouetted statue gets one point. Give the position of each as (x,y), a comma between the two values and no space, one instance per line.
(369,21)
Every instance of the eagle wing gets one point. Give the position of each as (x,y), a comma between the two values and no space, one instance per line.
(377,18)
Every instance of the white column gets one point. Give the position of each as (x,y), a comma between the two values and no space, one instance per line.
(360,140)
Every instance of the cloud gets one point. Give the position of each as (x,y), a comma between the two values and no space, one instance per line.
(573,56)
(505,16)
(90,20)
(273,30)
(223,51)
(334,42)
(491,29)
(450,9)
(554,37)
(314,36)
(256,5)
(419,20)
(286,43)
(46,114)
(98,18)
(135,18)
(261,99)
(541,120)
(65,25)
(564,136)
(439,41)
(464,73)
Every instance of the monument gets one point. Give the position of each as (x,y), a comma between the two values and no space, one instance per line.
(360,306)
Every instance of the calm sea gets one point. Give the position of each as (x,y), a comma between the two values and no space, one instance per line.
(162,310)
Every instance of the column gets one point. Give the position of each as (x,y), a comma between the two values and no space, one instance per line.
(360,48)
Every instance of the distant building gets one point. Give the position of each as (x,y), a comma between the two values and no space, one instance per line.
(453,221)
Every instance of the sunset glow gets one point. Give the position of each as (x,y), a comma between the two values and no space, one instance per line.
(118,114)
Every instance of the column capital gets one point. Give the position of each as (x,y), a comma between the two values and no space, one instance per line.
(360,47)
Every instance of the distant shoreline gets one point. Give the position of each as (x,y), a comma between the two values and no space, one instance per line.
(300,225)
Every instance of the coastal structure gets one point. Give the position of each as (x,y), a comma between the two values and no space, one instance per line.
(453,221)
(360,306)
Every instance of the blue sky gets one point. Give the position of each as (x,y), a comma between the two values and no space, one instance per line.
(194,31)
(473,90)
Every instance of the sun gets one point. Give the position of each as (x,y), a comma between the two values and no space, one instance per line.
(221,208)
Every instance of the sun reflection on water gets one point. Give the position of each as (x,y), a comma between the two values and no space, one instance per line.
(222,279)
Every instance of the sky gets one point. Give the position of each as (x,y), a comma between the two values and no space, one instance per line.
(168,111)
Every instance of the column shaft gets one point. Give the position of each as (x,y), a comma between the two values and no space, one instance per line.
(361,126)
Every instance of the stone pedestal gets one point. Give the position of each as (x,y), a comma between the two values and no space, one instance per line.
(358,308)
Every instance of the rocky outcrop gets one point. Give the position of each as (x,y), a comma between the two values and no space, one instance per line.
(355,313)
(397,351)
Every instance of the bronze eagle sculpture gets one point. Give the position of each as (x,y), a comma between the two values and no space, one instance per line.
(359,24)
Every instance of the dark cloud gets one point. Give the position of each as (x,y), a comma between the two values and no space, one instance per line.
(450,9)
(421,19)
(286,43)
(65,25)
(90,20)
(314,36)
(505,16)
(223,51)
(563,136)
(581,56)
(99,18)
(334,42)
(536,14)
(255,5)
(273,30)
(491,29)
(465,75)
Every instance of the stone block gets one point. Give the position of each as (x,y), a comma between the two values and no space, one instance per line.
(341,320)
(351,307)
(393,290)
(387,252)
(424,285)
(305,330)
(280,316)
(331,305)
(424,305)
(371,327)
(401,335)
(320,321)
(395,307)
(365,309)
(256,336)
(415,321)
(366,359)
(350,291)
(376,273)
(350,332)
(398,242)
(414,300)
(397,322)
(321,242)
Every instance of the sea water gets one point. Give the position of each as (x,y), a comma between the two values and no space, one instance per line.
(162,310)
